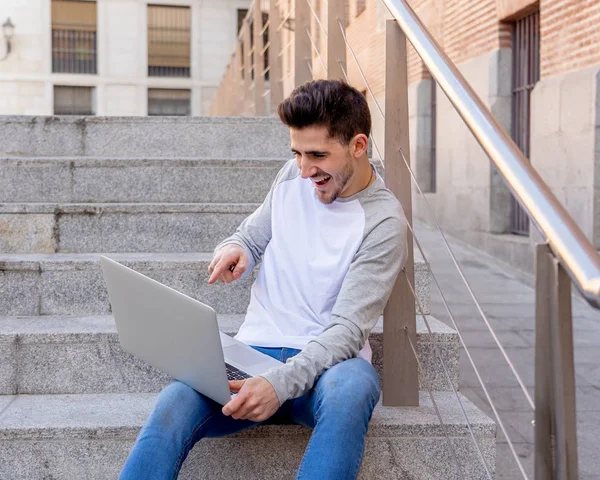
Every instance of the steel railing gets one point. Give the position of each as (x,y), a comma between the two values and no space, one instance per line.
(566,239)
(566,252)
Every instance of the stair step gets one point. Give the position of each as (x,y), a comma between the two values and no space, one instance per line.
(72,284)
(89,436)
(111,179)
(210,137)
(118,227)
(63,354)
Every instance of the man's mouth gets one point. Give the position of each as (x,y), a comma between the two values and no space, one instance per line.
(322,180)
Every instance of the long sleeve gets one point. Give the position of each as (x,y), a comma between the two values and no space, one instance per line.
(361,300)
(254,233)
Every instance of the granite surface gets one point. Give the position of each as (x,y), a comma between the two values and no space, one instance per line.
(67,354)
(72,284)
(65,435)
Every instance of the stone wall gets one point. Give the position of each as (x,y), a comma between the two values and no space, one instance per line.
(564,143)
(469,195)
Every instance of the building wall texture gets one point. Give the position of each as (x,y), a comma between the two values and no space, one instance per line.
(122,81)
(471,199)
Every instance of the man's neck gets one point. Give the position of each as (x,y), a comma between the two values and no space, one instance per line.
(363,177)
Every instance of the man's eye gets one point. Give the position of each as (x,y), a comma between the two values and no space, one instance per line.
(319,155)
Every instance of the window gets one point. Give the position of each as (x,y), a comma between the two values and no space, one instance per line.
(361,6)
(242,12)
(169,41)
(74,100)
(169,102)
(526,73)
(73,36)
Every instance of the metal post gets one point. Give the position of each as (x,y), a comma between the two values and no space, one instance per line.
(400,368)
(336,46)
(555,418)
(247,67)
(302,46)
(259,63)
(238,81)
(276,72)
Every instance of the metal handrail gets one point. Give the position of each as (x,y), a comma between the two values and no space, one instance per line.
(566,239)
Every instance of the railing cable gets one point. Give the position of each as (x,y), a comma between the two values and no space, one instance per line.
(288,45)
(459,469)
(481,312)
(371,136)
(316,49)
(284,20)
(360,69)
(483,315)
(437,284)
(316,17)
(310,69)
(443,364)
(265,26)
(462,341)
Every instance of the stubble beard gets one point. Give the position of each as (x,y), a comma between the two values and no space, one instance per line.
(339,180)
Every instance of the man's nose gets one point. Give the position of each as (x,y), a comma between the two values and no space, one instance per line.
(307,170)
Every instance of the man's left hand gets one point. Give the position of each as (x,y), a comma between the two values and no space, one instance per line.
(256,400)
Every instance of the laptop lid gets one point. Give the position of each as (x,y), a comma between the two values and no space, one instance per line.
(167,329)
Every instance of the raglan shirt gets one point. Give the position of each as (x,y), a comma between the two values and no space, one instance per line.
(327,272)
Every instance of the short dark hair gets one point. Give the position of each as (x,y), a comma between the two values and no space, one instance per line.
(334,104)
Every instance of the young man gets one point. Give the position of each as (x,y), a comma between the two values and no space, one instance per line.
(332,240)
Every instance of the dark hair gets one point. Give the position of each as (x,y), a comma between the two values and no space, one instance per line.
(334,104)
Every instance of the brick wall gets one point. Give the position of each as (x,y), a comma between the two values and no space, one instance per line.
(466,29)
(570,35)
(366,34)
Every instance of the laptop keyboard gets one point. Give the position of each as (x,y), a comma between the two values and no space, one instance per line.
(235,373)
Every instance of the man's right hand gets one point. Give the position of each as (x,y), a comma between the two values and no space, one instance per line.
(226,257)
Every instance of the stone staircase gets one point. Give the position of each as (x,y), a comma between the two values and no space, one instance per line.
(158,194)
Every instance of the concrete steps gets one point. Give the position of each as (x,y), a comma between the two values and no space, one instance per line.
(72,284)
(77,355)
(141,137)
(157,191)
(151,179)
(89,436)
(118,227)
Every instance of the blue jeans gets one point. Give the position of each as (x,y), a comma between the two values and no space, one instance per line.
(338,408)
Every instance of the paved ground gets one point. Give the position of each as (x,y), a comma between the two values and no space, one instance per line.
(509,305)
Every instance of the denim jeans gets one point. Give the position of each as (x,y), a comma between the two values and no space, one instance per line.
(338,409)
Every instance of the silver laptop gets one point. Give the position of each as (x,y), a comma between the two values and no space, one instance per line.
(177,334)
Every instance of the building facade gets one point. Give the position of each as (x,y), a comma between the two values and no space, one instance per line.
(536,65)
(115,57)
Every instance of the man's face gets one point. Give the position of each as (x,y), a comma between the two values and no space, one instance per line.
(324,160)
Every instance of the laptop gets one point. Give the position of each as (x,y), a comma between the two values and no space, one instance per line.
(178,334)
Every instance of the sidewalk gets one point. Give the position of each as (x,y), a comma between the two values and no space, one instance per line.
(510,307)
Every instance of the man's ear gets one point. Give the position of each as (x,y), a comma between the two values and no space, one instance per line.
(359,145)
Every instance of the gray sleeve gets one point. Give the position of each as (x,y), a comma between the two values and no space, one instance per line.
(254,233)
(362,298)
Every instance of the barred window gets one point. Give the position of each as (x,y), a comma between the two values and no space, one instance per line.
(162,101)
(74,100)
(169,41)
(361,6)
(74,36)
(433,158)
(241,14)
(526,73)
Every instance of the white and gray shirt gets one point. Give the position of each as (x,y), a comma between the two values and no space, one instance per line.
(327,272)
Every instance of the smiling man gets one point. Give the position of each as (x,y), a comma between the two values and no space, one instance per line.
(332,240)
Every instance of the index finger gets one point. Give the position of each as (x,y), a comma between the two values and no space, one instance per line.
(219,268)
